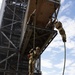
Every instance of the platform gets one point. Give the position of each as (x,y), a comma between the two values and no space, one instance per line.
(45,10)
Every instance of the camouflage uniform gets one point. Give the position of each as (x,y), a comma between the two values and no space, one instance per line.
(33,54)
(58,25)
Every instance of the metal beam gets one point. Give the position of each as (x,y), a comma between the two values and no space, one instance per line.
(8,40)
(26,40)
(8,19)
(6,61)
(51,37)
(13,12)
(7,58)
(18,63)
(10,24)
(12,71)
(24,26)
(7,48)
(55,1)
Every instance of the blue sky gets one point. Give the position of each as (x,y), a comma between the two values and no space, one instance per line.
(52,58)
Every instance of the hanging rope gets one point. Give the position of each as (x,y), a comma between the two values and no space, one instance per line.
(34,32)
(34,23)
(64,59)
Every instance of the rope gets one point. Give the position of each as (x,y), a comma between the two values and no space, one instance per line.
(64,59)
(34,34)
(34,26)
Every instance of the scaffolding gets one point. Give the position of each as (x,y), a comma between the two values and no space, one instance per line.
(14,47)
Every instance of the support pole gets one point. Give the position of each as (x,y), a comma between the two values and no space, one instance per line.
(10,24)
(6,61)
(18,63)
(7,58)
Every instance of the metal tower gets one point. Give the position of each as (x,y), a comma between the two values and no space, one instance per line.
(16,38)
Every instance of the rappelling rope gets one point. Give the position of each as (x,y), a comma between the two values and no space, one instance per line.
(34,23)
(61,30)
(34,33)
(64,59)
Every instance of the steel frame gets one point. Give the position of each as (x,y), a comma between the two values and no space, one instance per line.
(10,31)
(9,22)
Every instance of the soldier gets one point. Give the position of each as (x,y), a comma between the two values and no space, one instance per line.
(58,25)
(33,55)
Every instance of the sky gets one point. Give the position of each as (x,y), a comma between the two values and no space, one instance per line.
(0,3)
(52,58)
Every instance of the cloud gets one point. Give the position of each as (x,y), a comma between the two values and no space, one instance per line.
(56,47)
(65,7)
(0,3)
(71,70)
(69,26)
(45,73)
(73,65)
(56,69)
(46,63)
(62,1)
(51,72)
(69,62)
(59,65)
(72,53)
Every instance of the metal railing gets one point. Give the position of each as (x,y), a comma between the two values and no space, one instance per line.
(55,1)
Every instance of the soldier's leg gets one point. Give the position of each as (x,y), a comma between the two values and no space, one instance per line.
(30,67)
(33,67)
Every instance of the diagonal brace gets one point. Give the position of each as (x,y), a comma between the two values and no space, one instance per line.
(8,40)
(7,58)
